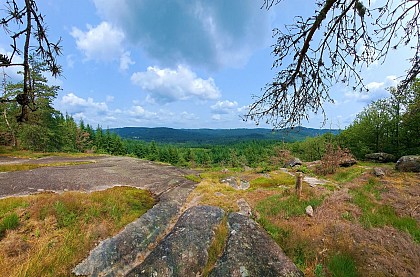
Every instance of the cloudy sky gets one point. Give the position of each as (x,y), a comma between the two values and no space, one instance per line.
(179,63)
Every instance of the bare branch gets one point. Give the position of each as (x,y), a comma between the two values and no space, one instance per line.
(332,46)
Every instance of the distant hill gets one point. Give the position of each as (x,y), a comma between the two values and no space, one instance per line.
(216,136)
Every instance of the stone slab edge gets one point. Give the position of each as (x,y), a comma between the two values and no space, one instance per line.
(113,256)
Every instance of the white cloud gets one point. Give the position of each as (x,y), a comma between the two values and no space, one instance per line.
(70,61)
(103,43)
(74,104)
(377,90)
(375,85)
(224,107)
(167,85)
(210,34)
(216,117)
(125,60)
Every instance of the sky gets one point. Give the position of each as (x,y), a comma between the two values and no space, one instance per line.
(181,63)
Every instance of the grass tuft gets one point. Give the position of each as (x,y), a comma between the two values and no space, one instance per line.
(217,245)
(9,222)
(347,174)
(286,206)
(342,265)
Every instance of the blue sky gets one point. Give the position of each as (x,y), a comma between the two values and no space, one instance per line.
(179,63)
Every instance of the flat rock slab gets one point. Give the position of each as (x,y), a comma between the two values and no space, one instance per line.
(100,173)
(250,251)
(115,256)
(183,252)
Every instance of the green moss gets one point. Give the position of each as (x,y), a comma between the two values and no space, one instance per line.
(344,175)
(193,177)
(273,181)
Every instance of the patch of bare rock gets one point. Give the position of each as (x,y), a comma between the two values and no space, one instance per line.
(249,250)
(115,256)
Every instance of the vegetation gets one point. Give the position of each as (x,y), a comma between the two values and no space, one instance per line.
(387,125)
(25,20)
(342,265)
(332,46)
(47,234)
(217,245)
(375,214)
(60,229)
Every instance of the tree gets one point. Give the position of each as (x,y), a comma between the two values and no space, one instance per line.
(391,125)
(331,46)
(38,133)
(22,22)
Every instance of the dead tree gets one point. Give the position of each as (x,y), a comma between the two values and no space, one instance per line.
(23,23)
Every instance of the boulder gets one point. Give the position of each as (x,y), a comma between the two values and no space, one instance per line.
(380,157)
(244,207)
(347,162)
(378,172)
(408,164)
(236,183)
(293,162)
(309,211)
(250,251)
(183,252)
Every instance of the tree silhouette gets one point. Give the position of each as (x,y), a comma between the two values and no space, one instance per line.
(22,23)
(333,45)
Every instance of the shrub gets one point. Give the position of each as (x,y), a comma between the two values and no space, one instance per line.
(332,158)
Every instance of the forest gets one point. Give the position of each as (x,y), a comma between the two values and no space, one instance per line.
(388,125)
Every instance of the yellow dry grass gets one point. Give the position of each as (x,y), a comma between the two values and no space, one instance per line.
(57,231)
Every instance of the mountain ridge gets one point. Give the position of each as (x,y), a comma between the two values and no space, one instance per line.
(216,136)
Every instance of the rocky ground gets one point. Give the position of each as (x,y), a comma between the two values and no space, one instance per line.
(171,239)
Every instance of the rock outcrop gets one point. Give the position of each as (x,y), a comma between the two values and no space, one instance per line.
(380,157)
(184,251)
(236,183)
(293,162)
(115,256)
(250,251)
(408,164)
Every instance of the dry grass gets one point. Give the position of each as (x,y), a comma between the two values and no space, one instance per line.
(21,167)
(26,154)
(57,231)
(335,237)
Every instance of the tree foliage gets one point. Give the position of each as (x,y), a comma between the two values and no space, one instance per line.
(331,46)
(24,23)
(389,125)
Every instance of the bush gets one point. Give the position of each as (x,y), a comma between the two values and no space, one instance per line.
(332,158)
